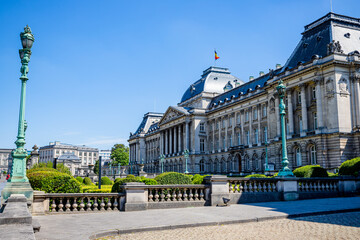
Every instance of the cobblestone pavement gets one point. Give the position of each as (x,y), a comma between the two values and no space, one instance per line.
(333,226)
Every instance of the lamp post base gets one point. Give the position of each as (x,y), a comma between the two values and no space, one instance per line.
(17,188)
(285,173)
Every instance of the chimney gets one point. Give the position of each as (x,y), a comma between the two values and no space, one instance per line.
(278,66)
(261,73)
(251,78)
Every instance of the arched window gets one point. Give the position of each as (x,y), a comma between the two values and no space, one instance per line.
(202,165)
(229,168)
(176,165)
(298,156)
(313,159)
(211,166)
(223,168)
(255,162)
(247,163)
(181,169)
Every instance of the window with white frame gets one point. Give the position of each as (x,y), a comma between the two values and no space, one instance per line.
(299,97)
(264,112)
(239,138)
(223,123)
(217,125)
(313,90)
(217,143)
(230,140)
(255,113)
(238,118)
(315,120)
(247,138)
(313,160)
(202,145)
(246,116)
(202,127)
(224,142)
(256,136)
(298,156)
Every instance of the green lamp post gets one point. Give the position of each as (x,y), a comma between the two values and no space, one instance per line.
(186,156)
(284,171)
(266,156)
(18,182)
(162,157)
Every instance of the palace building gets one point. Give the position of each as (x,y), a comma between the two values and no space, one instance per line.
(231,126)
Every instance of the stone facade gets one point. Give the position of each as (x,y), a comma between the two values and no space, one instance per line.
(5,160)
(230,126)
(87,155)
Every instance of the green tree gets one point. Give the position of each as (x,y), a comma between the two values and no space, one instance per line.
(120,154)
(96,167)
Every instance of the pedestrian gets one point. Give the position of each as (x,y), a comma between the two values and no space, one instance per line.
(8,176)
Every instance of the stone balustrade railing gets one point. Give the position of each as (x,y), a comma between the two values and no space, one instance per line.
(217,190)
(176,193)
(252,185)
(318,185)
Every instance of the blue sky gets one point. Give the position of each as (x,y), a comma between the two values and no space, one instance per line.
(98,66)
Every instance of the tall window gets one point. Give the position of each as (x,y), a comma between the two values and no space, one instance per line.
(256,136)
(255,113)
(202,165)
(247,116)
(223,123)
(217,125)
(313,155)
(315,121)
(202,145)
(202,127)
(224,142)
(210,127)
(247,138)
(313,92)
(238,118)
(217,143)
(230,140)
(239,138)
(230,121)
(265,134)
(298,156)
(264,112)
(299,97)
(300,124)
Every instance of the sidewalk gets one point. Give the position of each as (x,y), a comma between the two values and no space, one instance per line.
(82,226)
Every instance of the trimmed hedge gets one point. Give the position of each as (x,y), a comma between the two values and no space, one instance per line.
(309,171)
(350,167)
(106,181)
(87,181)
(173,178)
(198,179)
(256,176)
(53,182)
(131,178)
(79,179)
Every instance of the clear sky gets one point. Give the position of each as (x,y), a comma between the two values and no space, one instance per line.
(98,66)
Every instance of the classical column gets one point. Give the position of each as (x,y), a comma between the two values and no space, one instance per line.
(219,135)
(187,134)
(242,126)
(290,114)
(166,142)
(277,116)
(226,134)
(171,146)
(357,98)
(250,126)
(233,129)
(175,140)
(319,108)
(303,111)
(179,139)
(161,142)
(259,126)
(213,133)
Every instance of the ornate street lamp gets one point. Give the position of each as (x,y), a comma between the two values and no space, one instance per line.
(266,156)
(186,156)
(18,182)
(162,157)
(284,171)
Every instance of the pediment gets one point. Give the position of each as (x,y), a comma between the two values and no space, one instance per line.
(171,114)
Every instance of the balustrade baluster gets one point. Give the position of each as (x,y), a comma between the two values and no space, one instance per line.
(95,205)
(102,204)
(241,187)
(307,187)
(150,195)
(116,203)
(88,204)
(61,205)
(231,187)
(236,186)
(191,195)
(53,205)
(173,194)
(82,205)
(162,196)
(250,187)
(168,195)
(201,194)
(67,205)
(179,195)
(196,195)
(109,204)
(246,187)
(156,195)
(185,195)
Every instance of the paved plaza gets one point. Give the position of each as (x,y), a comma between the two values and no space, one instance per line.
(331,226)
(84,225)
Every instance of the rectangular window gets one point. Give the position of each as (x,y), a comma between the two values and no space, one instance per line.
(247,116)
(255,114)
(300,124)
(299,97)
(239,138)
(264,111)
(230,141)
(256,136)
(224,143)
(265,135)
(202,127)
(247,138)
(223,123)
(202,145)
(217,125)
(238,119)
(230,121)
(315,121)
(210,127)
(314,93)
(217,143)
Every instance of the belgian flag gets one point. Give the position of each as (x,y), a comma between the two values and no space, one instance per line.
(216,56)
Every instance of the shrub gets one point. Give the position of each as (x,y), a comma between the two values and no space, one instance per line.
(41,169)
(149,181)
(49,165)
(87,181)
(173,178)
(198,179)
(309,171)
(120,181)
(53,182)
(79,179)
(330,174)
(350,167)
(106,181)
(256,176)
(275,175)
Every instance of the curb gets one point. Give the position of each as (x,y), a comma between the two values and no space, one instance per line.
(115,232)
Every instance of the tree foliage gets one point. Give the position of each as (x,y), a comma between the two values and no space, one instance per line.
(96,167)
(120,154)
(59,167)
